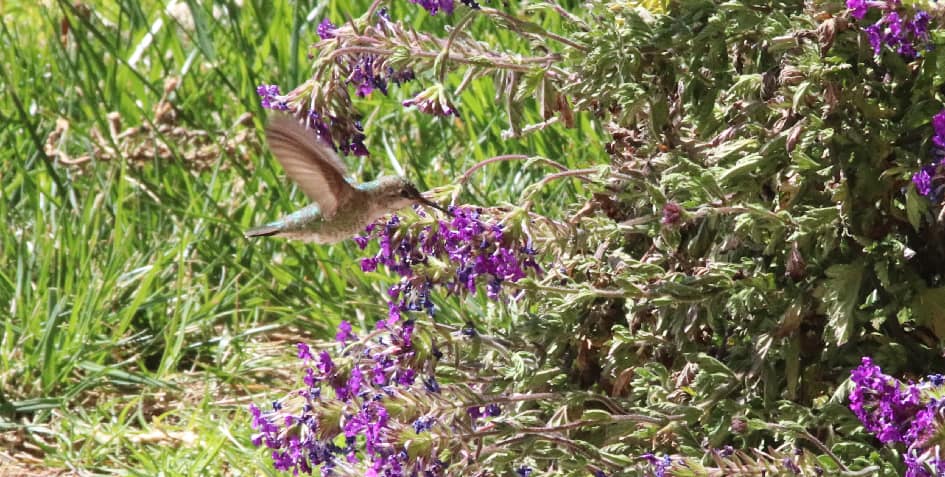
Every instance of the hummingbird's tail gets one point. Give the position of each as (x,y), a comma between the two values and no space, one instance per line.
(262,231)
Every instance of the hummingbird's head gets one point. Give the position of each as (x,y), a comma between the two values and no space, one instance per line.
(397,193)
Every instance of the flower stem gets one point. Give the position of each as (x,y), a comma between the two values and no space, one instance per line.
(530,27)
(507,157)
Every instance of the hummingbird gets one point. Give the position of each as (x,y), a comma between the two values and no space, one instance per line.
(340,208)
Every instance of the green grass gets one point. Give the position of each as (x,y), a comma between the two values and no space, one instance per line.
(137,322)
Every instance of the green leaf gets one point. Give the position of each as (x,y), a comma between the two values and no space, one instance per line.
(202,28)
(743,167)
(915,207)
(840,293)
(929,309)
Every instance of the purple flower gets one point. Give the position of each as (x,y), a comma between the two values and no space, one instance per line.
(325,365)
(790,465)
(305,353)
(895,25)
(406,377)
(919,26)
(310,379)
(379,374)
(393,313)
(326,29)
(474,251)
(858,8)
(922,424)
(893,411)
(874,33)
(270,97)
(365,79)
(423,423)
(368,264)
(938,125)
(344,333)
(660,464)
(902,31)
(433,6)
(923,180)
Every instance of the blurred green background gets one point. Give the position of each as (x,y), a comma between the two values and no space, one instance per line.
(138,323)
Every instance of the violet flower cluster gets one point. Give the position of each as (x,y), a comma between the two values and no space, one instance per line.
(366,72)
(907,33)
(896,412)
(343,134)
(327,105)
(458,255)
(659,465)
(924,179)
(447,6)
(374,409)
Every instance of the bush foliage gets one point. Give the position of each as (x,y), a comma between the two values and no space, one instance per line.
(754,233)
(751,280)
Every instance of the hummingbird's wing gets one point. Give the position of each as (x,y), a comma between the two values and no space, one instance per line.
(312,164)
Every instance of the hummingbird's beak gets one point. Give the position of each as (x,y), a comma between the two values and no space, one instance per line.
(423,200)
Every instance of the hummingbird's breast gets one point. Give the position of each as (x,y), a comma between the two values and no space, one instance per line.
(310,225)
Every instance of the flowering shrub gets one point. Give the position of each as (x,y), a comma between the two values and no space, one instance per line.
(770,211)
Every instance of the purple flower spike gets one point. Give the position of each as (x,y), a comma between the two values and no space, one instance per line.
(904,31)
(472,252)
(311,433)
(326,29)
(896,412)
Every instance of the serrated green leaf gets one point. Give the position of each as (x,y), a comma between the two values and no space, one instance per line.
(841,296)
(928,306)
(916,205)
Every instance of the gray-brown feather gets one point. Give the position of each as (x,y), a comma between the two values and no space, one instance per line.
(309,162)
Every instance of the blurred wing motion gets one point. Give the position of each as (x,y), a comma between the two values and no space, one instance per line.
(310,163)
